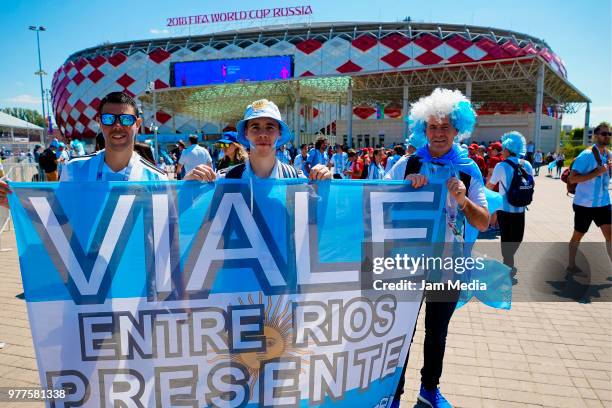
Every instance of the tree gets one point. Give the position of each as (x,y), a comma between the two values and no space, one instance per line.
(29,115)
(576,134)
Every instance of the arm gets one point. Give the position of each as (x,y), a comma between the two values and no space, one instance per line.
(576,177)
(4,191)
(203,173)
(476,215)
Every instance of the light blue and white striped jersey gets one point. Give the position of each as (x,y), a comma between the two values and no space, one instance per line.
(340,163)
(502,174)
(594,192)
(391,162)
(376,172)
(93,168)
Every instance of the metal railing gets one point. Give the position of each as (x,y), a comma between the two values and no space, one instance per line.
(20,172)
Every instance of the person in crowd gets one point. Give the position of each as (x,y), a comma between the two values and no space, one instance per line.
(479,160)
(176,154)
(338,163)
(530,151)
(398,152)
(100,142)
(63,155)
(550,162)
(263,130)
(376,171)
(299,162)
(329,153)
(144,151)
(511,219)
(559,161)
(495,157)
(283,155)
(78,149)
(318,154)
(538,158)
(193,156)
(591,173)
(233,152)
(441,117)
(48,162)
(356,166)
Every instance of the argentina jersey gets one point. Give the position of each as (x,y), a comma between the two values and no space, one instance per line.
(93,168)
(594,192)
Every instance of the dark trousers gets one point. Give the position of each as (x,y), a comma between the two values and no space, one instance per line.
(511,228)
(536,167)
(439,308)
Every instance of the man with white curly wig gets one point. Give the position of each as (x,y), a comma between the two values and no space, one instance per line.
(442,118)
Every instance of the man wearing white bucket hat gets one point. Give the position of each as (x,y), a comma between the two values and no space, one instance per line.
(262,130)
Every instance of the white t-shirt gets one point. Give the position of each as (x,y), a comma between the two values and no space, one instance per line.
(193,156)
(502,174)
(594,192)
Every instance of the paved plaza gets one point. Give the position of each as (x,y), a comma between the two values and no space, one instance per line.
(554,354)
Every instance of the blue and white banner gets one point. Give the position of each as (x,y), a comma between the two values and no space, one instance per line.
(219,295)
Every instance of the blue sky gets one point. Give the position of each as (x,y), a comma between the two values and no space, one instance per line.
(577,31)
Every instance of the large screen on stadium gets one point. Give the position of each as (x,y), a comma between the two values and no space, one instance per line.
(226,71)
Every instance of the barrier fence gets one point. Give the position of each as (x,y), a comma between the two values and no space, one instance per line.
(14,170)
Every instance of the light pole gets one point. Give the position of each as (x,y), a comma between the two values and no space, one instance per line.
(154,127)
(40,74)
(49,113)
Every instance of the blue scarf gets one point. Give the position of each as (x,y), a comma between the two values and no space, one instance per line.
(456,157)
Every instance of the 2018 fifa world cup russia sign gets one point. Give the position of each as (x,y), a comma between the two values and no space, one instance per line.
(240,15)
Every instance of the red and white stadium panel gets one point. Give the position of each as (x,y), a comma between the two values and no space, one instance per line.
(79,84)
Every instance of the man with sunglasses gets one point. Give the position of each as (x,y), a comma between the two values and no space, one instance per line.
(119,122)
(591,172)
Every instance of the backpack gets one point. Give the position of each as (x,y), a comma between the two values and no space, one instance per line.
(571,187)
(520,191)
(47,161)
(286,171)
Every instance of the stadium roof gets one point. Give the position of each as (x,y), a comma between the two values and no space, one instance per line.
(303,31)
(9,121)
(507,81)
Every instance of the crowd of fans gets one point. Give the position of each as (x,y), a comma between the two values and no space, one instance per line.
(260,148)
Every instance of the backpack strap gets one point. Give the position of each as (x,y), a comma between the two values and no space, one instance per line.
(465,179)
(597,155)
(236,171)
(413,165)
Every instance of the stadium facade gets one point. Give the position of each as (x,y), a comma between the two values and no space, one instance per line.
(328,50)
